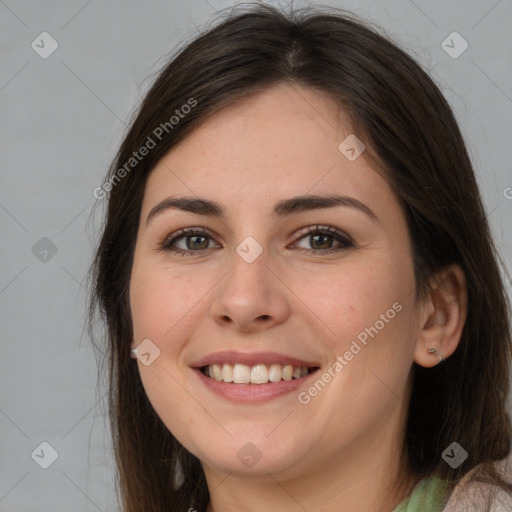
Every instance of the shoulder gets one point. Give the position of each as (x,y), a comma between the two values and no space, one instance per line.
(473,496)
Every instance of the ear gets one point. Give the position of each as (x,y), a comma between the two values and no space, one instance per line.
(442,317)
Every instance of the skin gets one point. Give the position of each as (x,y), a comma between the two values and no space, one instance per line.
(341,451)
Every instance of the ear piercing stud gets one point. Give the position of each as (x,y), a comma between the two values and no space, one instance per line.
(133,353)
(434,351)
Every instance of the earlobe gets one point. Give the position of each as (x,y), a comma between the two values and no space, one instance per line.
(443,317)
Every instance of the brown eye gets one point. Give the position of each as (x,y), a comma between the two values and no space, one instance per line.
(321,239)
(188,241)
(196,242)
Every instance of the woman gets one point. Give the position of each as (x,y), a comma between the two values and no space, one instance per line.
(302,296)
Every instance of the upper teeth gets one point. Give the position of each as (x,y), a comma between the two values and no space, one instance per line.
(258,374)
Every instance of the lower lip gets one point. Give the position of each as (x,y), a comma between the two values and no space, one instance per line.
(250,393)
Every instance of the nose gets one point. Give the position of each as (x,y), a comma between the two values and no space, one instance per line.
(251,297)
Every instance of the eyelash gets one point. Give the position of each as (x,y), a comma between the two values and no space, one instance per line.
(166,245)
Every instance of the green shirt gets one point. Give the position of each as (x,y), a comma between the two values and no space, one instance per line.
(429,495)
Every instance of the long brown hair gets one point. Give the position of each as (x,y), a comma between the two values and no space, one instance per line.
(410,130)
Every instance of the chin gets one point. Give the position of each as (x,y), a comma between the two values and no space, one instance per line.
(257,458)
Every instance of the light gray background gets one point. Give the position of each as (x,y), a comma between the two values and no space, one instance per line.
(62,119)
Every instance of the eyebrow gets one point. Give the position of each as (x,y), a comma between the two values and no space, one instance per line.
(293,205)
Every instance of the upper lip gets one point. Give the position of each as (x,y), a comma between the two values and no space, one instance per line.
(251,359)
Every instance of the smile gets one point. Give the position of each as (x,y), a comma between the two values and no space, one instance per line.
(249,377)
(258,374)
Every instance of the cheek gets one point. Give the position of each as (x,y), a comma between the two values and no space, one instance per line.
(168,304)
(163,306)
(160,300)
(347,300)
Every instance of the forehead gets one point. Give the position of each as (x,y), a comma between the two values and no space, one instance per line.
(279,142)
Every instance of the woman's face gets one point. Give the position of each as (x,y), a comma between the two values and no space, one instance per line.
(265,285)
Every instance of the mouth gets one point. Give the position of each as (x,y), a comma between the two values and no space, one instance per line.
(248,378)
(258,374)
